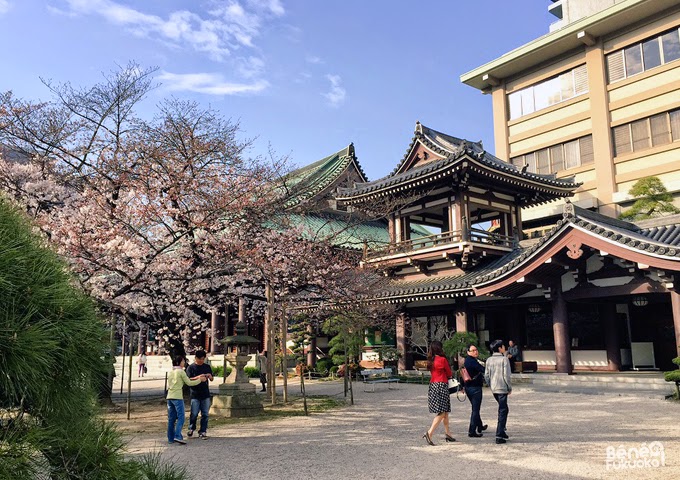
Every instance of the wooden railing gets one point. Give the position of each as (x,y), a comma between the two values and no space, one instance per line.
(490,238)
(471,235)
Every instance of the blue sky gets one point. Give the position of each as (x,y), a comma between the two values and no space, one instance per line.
(304,76)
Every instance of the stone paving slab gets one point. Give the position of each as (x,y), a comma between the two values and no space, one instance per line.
(553,436)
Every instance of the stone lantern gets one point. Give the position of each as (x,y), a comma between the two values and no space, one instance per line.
(237,397)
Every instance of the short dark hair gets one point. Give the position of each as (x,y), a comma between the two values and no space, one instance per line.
(470,345)
(176,361)
(496,345)
(200,354)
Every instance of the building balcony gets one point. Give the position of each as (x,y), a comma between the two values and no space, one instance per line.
(441,245)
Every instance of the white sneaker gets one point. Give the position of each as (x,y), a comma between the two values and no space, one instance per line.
(203,436)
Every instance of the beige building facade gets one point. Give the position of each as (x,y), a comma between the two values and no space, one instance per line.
(597,98)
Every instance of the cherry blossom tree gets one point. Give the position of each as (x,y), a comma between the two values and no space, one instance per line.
(150,213)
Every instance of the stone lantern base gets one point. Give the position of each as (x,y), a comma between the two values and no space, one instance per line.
(236,400)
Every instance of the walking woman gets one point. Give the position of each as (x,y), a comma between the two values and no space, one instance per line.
(473,389)
(438,399)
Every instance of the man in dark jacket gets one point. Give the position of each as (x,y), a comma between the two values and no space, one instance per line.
(200,395)
(473,390)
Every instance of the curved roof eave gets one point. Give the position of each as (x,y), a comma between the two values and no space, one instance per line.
(608,235)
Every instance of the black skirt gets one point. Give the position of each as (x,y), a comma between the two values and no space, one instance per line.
(438,399)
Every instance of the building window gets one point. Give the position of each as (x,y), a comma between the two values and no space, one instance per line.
(558,157)
(548,92)
(643,56)
(660,129)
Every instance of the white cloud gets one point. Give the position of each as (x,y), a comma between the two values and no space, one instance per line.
(224,29)
(250,67)
(208,83)
(273,6)
(314,60)
(5,6)
(337,94)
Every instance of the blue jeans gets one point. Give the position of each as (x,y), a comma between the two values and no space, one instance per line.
(175,420)
(502,399)
(204,407)
(474,395)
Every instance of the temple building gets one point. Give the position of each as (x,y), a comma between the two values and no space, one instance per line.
(597,98)
(593,293)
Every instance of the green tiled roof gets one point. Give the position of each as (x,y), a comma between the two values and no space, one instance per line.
(307,182)
(343,230)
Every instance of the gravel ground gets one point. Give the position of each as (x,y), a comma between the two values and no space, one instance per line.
(552,436)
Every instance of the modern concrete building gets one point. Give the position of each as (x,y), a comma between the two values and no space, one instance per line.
(597,98)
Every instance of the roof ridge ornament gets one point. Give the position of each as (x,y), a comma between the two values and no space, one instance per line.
(419,127)
(569,210)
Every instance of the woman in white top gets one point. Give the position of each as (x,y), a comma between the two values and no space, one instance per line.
(141,360)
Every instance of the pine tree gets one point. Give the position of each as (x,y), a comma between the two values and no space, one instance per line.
(653,200)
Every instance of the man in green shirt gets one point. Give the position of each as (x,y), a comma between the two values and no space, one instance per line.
(176,380)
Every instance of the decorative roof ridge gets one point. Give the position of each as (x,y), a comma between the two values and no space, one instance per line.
(396,178)
(418,130)
(459,146)
(607,227)
(352,155)
(450,159)
(571,210)
(656,222)
(316,176)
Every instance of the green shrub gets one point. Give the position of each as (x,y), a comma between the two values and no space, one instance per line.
(333,370)
(252,372)
(457,345)
(54,344)
(324,365)
(217,370)
(672,376)
(676,361)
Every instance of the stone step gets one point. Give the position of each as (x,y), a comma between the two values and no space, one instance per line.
(600,379)
(614,384)
(577,389)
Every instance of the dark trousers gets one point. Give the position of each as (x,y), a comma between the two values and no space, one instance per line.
(263,380)
(474,395)
(502,399)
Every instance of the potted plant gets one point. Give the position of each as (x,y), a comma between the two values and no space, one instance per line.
(389,356)
(674,376)
(456,347)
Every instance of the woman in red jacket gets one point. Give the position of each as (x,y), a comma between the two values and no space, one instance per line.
(438,399)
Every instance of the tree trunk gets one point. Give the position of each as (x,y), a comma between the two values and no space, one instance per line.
(284,354)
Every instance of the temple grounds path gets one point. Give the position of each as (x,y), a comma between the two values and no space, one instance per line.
(553,436)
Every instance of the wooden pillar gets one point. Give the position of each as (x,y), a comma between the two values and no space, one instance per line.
(214,331)
(391,228)
(461,314)
(228,322)
(311,353)
(141,341)
(675,306)
(561,331)
(611,336)
(403,347)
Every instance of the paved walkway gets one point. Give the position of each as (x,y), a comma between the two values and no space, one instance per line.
(553,436)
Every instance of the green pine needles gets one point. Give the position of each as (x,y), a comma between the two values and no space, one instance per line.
(652,200)
(52,349)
